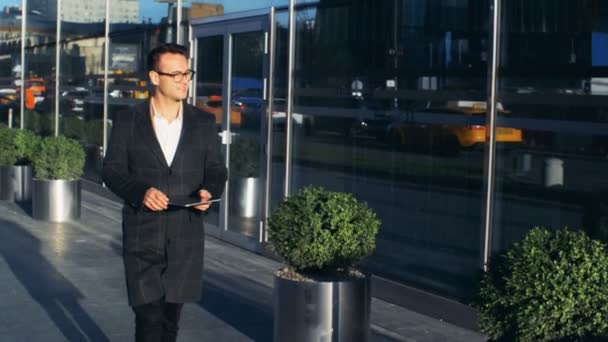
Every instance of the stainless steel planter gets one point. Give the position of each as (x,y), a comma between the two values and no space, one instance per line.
(56,200)
(16,183)
(7,183)
(23,183)
(325,311)
(245,197)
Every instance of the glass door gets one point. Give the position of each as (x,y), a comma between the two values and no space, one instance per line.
(231,62)
(208,91)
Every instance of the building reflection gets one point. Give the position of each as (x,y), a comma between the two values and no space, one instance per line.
(390,103)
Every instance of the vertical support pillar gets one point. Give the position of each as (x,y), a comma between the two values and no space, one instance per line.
(490,160)
(289,110)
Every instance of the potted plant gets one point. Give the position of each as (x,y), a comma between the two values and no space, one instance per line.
(73,127)
(321,236)
(39,123)
(16,150)
(93,142)
(245,185)
(58,165)
(551,286)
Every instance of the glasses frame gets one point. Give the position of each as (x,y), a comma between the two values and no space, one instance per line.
(178,76)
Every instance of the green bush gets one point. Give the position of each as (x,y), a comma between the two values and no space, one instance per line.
(59,158)
(8,154)
(94,131)
(73,127)
(320,231)
(550,286)
(39,123)
(16,146)
(31,120)
(245,157)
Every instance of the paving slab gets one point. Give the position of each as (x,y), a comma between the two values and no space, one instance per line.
(65,282)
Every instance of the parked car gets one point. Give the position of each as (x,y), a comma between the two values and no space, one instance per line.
(213,104)
(251,105)
(73,98)
(470,135)
(71,102)
(449,138)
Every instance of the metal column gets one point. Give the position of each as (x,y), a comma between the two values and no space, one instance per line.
(490,162)
(288,113)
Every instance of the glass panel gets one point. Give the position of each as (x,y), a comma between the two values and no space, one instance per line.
(278,109)
(10,62)
(198,10)
(136,27)
(247,117)
(389,106)
(553,89)
(80,60)
(40,67)
(132,36)
(209,73)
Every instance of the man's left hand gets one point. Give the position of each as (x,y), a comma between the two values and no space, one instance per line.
(205,196)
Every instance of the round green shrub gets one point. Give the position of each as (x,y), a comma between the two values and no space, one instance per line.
(94,131)
(27,145)
(59,158)
(73,127)
(245,157)
(39,123)
(552,285)
(8,154)
(16,146)
(316,230)
(32,121)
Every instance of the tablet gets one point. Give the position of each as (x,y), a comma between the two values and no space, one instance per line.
(188,201)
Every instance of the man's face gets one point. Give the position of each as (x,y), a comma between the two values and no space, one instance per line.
(171,63)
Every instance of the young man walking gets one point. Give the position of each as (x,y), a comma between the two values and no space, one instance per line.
(159,150)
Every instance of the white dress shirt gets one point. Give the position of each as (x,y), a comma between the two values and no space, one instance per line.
(167,133)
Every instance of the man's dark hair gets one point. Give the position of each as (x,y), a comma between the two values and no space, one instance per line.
(155,54)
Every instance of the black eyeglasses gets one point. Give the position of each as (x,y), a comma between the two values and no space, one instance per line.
(178,76)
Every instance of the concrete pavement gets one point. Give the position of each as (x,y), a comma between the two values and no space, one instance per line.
(64,282)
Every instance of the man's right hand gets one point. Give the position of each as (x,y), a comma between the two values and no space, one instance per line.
(155,200)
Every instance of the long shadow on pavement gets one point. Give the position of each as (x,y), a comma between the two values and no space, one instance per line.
(26,206)
(46,285)
(240,303)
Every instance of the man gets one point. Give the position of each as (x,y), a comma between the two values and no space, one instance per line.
(159,150)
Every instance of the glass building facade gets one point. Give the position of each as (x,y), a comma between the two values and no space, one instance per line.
(462,123)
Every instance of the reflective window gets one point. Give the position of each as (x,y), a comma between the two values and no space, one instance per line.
(552,88)
(81,65)
(219,7)
(209,76)
(279,108)
(39,69)
(200,10)
(247,104)
(10,62)
(136,27)
(389,105)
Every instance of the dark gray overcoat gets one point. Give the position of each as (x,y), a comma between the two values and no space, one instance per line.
(163,251)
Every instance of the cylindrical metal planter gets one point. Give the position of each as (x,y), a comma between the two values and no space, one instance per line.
(245,197)
(7,183)
(324,311)
(56,200)
(23,183)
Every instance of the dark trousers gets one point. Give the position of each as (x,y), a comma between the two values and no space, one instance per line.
(157,321)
